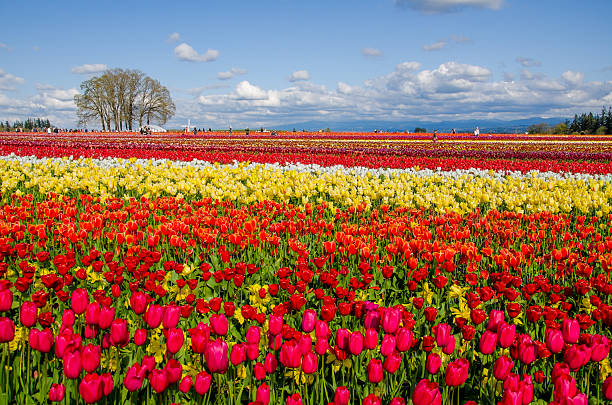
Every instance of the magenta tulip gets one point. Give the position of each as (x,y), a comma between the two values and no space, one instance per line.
(443,334)
(79,300)
(6,299)
(263,394)
(495,319)
(449,348)
(252,351)
(600,347)
(321,330)
(158,380)
(371,399)
(174,370)
(433,363)
(356,343)
(527,350)
(426,393)
(90,357)
(57,392)
(388,345)
(185,384)
(134,378)
(321,346)
(216,356)
(577,356)
(153,316)
(238,353)
(403,339)
(502,367)
(171,316)
(488,341)
(342,338)
(341,396)
(92,313)
(397,401)
(219,324)
(72,364)
(140,337)
(392,362)
(275,324)
(375,371)
(305,344)
(506,334)
(175,340)
(607,388)
(457,372)
(7,330)
(202,383)
(253,334)
(107,316)
(308,320)
(138,302)
(370,340)
(270,363)
(391,320)
(119,334)
(28,314)
(310,363)
(91,388)
(294,399)
(571,330)
(565,386)
(372,320)
(68,318)
(554,340)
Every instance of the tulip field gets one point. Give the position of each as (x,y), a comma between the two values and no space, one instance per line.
(303,268)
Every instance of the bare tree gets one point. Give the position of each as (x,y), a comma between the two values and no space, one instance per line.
(119,98)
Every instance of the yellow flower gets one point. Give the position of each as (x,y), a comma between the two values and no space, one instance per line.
(21,336)
(456,292)
(156,348)
(337,363)
(299,376)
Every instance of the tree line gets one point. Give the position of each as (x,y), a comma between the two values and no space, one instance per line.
(29,124)
(585,123)
(121,98)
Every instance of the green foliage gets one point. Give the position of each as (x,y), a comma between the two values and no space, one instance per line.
(27,125)
(542,128)
(419,130)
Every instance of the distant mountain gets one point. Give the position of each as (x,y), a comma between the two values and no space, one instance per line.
(491,126)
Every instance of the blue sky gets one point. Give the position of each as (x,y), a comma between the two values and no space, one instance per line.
(266,62)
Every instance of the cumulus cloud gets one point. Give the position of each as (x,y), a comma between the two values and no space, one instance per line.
(89,69)
(528,62)
(9,81)
(231,73)
(448,6)
(573,78)
(371,52)
(174,37)
(50,102)
(248,91)
(299,75)
(186,53)
(436,46)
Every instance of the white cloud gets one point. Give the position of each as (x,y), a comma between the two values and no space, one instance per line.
(528,62)
(446,6)
(174,37)
(299,75)
(573,78)
(5,46)
(9,81)
(89,69)
(436,46)
(186,53)
(231,73)
(371,52)
(248,91)
(460,39)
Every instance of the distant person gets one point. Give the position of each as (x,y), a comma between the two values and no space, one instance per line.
(246,131)
(435,135)
(230,130)
(453,131)
(195,131)
(49,130)
(476,132)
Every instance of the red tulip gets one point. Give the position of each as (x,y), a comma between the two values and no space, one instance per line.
(107,316)
(403,339)
(185,384)
(565,386)
(397,401)
(275,324)
(426,393)
(28,314)
(506,334)
(487,342)
(153,316)
(371,400)
(375,371)
(607,388)
(430,314)
(321,346)
(554,340)
(577,356)
(308,320)
(72,364)
(356,343)
(174,371)
(305,344)
(392,362)
(310,363)
(119,333)
(391,320)
(433,363)
(138,302)
(341,396)
(171,316)
(457,372)
(571,330)
(558,370)
(175,340)
(158,380)
(342,338)
(219,324)
(502,367)
(370,340)
(90,357)
(68,318)
(57,392)
(216,356)
(91,388)
(263,394)
(270,363)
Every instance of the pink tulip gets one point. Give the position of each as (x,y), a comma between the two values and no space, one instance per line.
(107,384)
(238,353)
(554,340)
(371,400)
(140,337)
(158,380)
(506,334)
(260,371)
(397,401)
(185,384)
(171,316)
(577,356)
(502,367)
(263,394)
(252,351)
(372,320)
(294,399)
(388,345)
(433,363)
(219,324)
(79,300)
(308,320)
(391,320)
(57,392)
(495,319)
(175,340)
(138,302)
(457,372)
(558,370)
(488,341)
(600,346)
(275,324)
(341,396)
(571,330)
(253,335)
(92,313)
(216,356)
(107,316)
(68,318)
(28,314)
(607,388)
(90,358)
(443,334)
(392,362)
(449,348)
(174,371)
(342,338)
(403,339)
(426,393)
(134,378)
(321,330)
(310,363)
(7,330)
(153,316)
(202,382)
(375,371)
(305,344)
(321,347)
(270,363)
(290,354)
(91,388)
(356,343)
(119,333)
(565,386)
(72,364)
(527,350)
(370,340)
(6,299)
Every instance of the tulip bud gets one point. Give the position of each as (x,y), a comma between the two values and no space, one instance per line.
(92,313)
(370,339)
(119,333)
(443,333)
(107,316)
(253,335)
(495,318)
(342,338)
